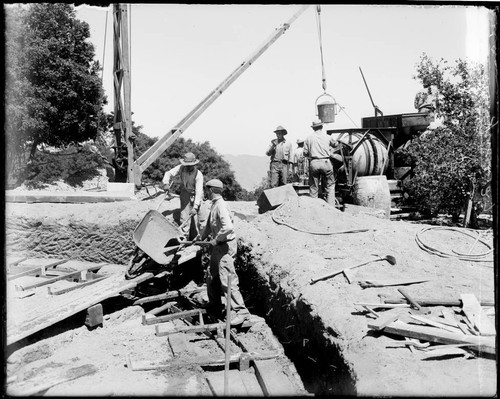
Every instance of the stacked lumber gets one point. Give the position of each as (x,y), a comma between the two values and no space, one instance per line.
(439,330)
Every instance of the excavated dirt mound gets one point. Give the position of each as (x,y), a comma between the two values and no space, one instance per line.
(279,252)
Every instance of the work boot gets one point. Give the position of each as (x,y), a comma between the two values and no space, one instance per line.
(236,319)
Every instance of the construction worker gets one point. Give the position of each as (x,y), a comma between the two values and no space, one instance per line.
(191,192)
(317,148)
(300,163)
(281,154)
(223,252)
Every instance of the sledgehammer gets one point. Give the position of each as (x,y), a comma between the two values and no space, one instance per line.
(391,259)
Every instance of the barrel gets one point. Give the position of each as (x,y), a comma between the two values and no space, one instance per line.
(373,192)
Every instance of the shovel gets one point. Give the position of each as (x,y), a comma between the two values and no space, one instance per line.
(389,258)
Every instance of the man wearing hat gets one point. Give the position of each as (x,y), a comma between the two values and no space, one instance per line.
(224,246)
(281,153)
(191,190)
(317,148)
(300,163)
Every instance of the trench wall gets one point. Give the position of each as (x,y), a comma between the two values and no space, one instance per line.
(67,239)
(312,346)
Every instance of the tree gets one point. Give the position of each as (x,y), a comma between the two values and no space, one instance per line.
(212,164)
(452,162)
(54,94)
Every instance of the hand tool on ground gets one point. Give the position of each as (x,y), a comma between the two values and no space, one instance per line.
(227,347)
(418,309)
(391,259)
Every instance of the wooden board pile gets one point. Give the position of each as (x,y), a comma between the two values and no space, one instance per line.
(438,328)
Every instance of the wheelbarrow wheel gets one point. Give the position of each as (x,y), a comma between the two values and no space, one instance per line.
(137,265)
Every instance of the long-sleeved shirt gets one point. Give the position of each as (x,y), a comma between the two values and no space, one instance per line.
(282,151)
(191,182)
(317,145)
(220,222)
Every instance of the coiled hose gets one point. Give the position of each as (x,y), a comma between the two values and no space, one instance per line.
(457,255)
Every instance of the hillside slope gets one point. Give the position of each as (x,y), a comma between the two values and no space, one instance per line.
(249,169)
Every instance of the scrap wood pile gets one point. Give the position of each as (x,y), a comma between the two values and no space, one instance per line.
(436,327)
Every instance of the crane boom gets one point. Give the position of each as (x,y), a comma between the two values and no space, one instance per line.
(166,141)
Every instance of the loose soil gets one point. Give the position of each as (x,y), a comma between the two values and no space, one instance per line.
(278,253)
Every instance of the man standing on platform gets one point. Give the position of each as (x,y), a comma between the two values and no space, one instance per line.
(317,148)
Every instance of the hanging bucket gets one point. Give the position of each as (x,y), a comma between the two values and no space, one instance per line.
(373,192)
(326,106)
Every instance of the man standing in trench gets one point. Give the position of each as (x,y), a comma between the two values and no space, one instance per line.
(224,246)
(191,191)
(317,148)
(281,153)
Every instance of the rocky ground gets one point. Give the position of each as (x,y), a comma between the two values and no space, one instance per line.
(319,325)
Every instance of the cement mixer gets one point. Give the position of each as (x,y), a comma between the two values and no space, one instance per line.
(365,158)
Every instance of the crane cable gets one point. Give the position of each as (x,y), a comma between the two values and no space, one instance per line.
(323,73)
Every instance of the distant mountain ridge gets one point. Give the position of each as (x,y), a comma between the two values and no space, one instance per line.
(249,170)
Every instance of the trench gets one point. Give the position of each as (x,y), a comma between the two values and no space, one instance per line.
(307,342)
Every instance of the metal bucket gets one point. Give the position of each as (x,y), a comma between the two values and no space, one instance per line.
(373,192)
(326,108)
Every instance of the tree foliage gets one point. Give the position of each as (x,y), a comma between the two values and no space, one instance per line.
(453,161)
(54,94)
(212,164)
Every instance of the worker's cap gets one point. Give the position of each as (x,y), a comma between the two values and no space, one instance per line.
(316,123)
(214,183)
(280,129)
(189,159)
(300,141)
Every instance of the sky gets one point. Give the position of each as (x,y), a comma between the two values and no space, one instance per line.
(180,53)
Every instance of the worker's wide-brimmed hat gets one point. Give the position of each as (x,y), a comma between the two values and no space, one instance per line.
(300,141)
(280,129)
(214,183)
(316,123)
(189,159)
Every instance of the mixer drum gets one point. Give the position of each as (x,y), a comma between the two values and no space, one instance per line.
(370,157)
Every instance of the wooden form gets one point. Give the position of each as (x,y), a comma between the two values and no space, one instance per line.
(61,277)
(43,314)
(240,383)
(41,270)
(175,316)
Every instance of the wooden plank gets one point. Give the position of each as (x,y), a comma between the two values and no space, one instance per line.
(436,301)
(476,315)
(169,295)
(388,283)
(61,277)
(14,261)
(436,324)
(141,365)
(188,329)
(75,287)
(41,268)
(386,318)
(383,305)
(432,334)
(236,385)
(174,316)
(23,321)
(251,384)
(65,197)
(272,379)
(42,382)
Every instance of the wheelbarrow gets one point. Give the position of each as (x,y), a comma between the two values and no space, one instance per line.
(152,236)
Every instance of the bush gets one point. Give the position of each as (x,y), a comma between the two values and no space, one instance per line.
(73,166)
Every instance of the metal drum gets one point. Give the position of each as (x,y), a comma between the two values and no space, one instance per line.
(373,192)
